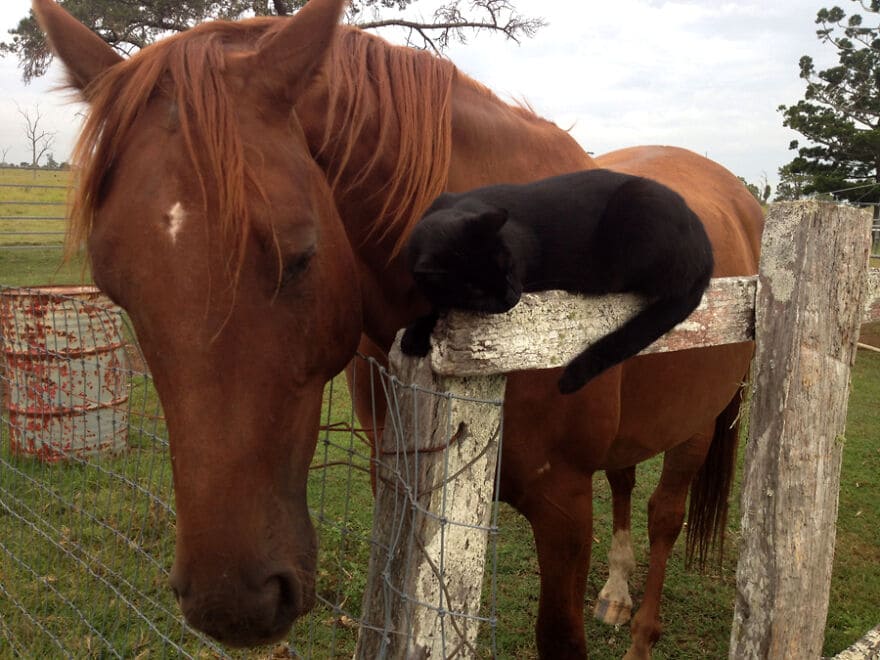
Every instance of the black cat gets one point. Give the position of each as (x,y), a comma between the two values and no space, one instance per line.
(592,232)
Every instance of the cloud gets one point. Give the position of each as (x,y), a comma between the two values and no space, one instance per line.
(701,74)
(58,110)
(704,75)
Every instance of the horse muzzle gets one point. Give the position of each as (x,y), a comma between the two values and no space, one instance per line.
(245,612)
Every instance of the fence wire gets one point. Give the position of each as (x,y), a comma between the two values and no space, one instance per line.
(86,502)
(32,215)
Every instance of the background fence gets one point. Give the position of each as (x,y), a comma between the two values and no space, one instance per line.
(32,208)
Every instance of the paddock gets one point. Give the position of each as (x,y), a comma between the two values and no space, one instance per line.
(107,519)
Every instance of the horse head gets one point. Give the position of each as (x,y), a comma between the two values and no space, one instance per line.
(206,218)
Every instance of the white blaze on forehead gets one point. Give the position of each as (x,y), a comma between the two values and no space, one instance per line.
(174,218)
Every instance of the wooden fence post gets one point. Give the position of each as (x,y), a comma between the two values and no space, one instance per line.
(434,505)
(811,289)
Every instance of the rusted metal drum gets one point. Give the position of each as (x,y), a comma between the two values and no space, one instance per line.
(66,383)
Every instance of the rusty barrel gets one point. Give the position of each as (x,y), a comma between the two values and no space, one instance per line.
(66,384)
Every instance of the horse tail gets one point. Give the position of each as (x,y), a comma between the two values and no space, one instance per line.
(710,489)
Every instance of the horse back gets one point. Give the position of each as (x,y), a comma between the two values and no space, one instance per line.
(665,398)
(731,215)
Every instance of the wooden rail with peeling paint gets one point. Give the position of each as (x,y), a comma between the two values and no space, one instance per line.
(803,310)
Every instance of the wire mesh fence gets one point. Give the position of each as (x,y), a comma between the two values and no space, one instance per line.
(87,509)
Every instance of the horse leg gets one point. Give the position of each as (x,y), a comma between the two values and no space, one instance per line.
(666,510)
(560,511)
(614,604)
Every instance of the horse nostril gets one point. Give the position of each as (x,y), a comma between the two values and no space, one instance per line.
(246,612)
(177,585)
(289,596)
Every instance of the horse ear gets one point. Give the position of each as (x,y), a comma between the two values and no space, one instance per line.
(290,57)
(84,54)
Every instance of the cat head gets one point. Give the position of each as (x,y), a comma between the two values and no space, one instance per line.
(459,260)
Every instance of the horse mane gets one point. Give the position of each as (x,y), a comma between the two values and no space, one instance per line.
(408,91)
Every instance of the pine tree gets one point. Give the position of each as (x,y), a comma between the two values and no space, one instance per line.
(840,113)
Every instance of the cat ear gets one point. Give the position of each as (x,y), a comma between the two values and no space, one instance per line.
(492,221)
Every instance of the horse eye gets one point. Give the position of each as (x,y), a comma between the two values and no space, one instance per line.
(295,265)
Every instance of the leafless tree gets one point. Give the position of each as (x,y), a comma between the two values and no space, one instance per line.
(39,139)
(451,22)
(129,26)
(4,151)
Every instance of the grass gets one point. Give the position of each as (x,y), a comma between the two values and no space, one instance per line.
(33,260)
(87,545)
(24,196)
(61,519)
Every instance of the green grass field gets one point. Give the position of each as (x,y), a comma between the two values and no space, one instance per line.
(29,256)
(25,195)
(89,539)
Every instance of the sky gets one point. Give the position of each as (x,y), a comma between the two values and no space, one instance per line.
(707,75)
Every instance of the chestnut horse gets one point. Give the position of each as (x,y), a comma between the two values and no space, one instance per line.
(204,202)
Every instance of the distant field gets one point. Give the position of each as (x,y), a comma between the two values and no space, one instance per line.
(30,250)
(24,195)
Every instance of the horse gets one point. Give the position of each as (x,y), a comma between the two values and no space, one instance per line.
(245,191)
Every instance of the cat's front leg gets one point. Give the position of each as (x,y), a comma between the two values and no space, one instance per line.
(416,340)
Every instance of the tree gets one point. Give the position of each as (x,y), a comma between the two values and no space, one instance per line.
(129,26)
(839,114)
(761,191)
(791,184)
(4,151)
(39,139)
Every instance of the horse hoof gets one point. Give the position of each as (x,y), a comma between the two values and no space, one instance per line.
(614,613)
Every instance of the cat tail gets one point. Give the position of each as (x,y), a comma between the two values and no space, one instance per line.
(655,320)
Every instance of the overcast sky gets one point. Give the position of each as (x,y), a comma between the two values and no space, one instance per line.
(703,74)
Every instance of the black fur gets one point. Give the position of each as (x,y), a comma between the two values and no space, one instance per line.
(591,232)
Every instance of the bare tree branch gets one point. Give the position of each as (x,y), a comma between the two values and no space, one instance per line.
(39,139)
(130,25)
(449,23)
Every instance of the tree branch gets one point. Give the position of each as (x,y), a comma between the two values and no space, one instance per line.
(449,22)
(420,27)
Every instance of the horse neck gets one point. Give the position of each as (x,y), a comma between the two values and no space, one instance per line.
(386,292)
(494,142)
(489,142)
(360,187)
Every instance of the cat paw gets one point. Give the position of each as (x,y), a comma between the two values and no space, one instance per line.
(415,343)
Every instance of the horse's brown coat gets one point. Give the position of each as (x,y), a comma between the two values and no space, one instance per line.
(241,328)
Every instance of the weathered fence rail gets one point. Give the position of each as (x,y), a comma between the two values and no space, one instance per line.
(803,310)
